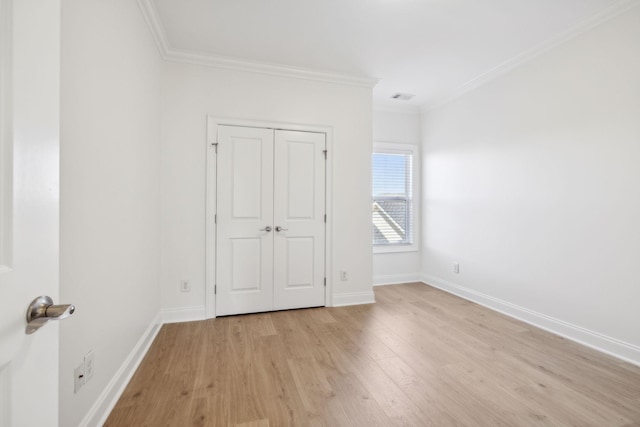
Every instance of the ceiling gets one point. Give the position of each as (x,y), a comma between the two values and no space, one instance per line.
(430,48)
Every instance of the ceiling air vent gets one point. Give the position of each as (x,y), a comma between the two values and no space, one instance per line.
(403,96)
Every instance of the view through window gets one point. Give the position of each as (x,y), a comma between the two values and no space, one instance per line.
(392,197)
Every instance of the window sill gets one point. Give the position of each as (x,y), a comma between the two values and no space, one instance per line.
(395,249)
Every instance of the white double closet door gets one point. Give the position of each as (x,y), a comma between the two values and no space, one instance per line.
(270,220)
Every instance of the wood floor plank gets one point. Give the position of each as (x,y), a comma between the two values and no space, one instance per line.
(274,382)
(424,391)
(391,398)
(418,357)
(256,423)
(318,397)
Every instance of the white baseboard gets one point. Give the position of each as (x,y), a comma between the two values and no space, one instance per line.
(103,406)
(353,298)
(184,314)
(396,279)
(605,344)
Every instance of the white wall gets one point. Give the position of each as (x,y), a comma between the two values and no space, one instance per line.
(192,92)
(397,127)
(531,184)
(110,191)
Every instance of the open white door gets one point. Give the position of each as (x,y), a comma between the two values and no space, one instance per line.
(29,199)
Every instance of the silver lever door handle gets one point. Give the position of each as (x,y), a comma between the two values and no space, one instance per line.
(267,228)
(42,309)
(279,229)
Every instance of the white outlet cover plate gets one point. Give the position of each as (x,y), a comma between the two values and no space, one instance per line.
(78,377)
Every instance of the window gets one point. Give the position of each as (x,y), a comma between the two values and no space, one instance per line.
(393,205)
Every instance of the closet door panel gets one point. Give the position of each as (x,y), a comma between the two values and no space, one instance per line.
(244,270)
(299,208)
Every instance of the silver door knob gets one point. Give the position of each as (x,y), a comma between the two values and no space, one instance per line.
(42,309)
(279,229)
(267,228)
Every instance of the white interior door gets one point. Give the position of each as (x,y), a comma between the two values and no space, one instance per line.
(270,220)
(29,141)
(244,276)
(299,218)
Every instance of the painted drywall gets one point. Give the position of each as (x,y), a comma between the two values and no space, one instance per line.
(110,192)
(531,184)
(402,127)
(189,94)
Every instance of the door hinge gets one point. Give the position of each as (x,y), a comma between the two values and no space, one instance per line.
(325,282)
(325,218)
(215,146)
(325,154)
(215,289)
(215,218)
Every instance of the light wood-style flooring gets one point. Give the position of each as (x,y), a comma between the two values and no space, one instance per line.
(418,357)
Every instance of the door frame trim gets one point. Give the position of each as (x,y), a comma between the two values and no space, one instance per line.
(211,208)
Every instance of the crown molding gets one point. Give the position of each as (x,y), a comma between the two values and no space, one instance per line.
(610,12)
(150,15)
(277,70)
(236,64)
(168,53)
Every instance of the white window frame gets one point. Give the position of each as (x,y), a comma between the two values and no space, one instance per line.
(412,149)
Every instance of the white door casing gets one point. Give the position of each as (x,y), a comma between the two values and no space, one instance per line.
(299,209)
(269,180)
(29,200)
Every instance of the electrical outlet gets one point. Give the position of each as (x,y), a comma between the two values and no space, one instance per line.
(88,366)
(78,378)
(456,267)
(344,276)
(185,286)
